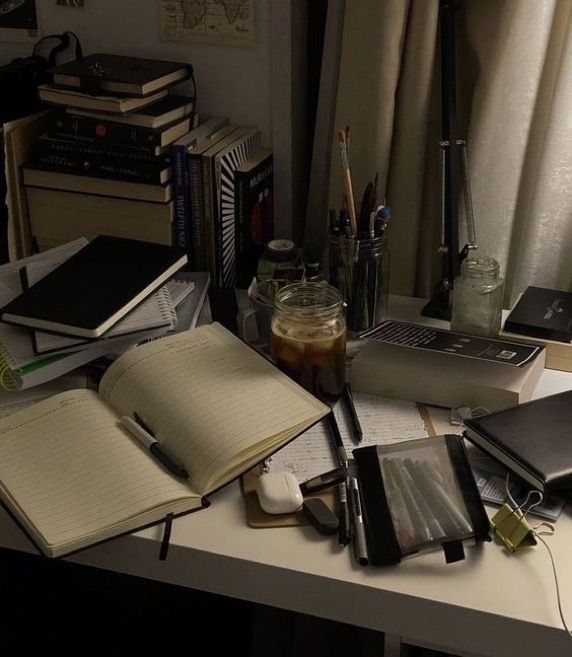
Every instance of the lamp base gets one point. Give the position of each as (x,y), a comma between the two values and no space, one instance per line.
(439,306)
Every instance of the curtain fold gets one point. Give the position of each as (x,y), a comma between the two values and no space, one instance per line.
(514,60)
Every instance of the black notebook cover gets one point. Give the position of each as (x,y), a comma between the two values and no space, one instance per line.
(542,313)
(534,440)
(96,287)
(104,68)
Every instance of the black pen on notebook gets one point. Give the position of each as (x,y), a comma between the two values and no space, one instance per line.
(345,521)
(349,402)
(138,429)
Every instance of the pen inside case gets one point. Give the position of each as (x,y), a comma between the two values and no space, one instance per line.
(417,495)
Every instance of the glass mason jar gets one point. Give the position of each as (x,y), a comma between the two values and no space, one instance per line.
(308,340)
(477,298)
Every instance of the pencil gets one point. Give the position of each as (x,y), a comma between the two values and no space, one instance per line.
(347,179)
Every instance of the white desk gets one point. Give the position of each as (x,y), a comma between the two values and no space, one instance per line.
(493,603)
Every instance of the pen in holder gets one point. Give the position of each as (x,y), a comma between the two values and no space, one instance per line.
(359,268)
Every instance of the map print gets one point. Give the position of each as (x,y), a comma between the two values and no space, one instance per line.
(223,22)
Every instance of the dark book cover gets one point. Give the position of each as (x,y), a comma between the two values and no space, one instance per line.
(167,110)
(96,287)
(542,313)
(110,133)
(226,163)
(120,163)
(119,73)
(534,440)
(253,198)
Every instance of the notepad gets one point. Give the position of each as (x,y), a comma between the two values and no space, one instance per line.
(72,475)
(96,287)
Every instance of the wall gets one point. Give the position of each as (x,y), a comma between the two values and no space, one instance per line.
(233,81)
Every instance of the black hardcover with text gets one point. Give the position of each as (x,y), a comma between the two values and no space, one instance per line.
(533,440)
(96,287)
(542,313)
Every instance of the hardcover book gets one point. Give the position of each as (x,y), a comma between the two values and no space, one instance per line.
(120,74)
(72,475)
(84,129)
(96,287)
(40,176)
(98,102)
(253,200)
(542,313)
(225,163)
(534,440)
(167,110)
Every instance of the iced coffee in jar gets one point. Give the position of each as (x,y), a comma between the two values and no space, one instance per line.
(309,338)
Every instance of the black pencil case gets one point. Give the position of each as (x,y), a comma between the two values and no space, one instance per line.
(417,495)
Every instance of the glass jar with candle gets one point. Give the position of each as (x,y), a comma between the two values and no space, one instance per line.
(478,298)
(308,340)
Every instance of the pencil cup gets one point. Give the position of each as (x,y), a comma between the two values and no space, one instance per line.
(359,268)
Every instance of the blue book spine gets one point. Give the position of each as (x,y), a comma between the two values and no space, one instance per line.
(181,193)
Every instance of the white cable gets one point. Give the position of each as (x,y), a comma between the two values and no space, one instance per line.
(516,507)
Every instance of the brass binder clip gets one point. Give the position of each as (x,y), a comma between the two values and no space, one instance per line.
(512,528)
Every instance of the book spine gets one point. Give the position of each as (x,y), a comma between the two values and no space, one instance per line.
(140,172)
(209,223)
(108,152)
(254,218)
(198,236)
(182,199)
(85,129)
(240,196)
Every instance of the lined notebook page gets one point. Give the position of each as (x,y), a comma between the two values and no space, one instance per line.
(214,401)
(74,471)
(383,420)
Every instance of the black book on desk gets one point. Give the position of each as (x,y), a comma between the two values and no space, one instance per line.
(96,287)
(533,440)
(542,313)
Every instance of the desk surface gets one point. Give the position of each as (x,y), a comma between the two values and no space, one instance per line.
(493,603)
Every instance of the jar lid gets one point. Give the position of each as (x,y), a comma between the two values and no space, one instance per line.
(280,250)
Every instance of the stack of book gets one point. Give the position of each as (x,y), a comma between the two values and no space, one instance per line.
(75,303)
(103,166)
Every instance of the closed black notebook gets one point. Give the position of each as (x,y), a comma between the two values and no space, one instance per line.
(120,74)
(96,287)
(534,440)
(542,313)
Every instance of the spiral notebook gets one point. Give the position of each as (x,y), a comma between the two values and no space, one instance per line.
(20,366)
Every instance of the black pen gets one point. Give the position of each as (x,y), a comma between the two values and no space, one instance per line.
(345,524)
(349,402)
(138,429)
(320,482)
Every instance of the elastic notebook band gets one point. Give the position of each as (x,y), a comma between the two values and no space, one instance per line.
(166,537)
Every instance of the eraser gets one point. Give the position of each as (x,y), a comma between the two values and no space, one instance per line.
(320,515)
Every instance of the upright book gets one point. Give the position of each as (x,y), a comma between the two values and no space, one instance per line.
(119,74)
(253,202)
(72,475)
(534,440)
(96,287)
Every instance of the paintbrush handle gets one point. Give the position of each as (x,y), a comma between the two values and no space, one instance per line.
(350,194)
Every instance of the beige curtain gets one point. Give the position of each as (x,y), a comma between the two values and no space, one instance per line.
(515,107)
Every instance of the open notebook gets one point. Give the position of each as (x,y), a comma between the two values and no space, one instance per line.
(73,476)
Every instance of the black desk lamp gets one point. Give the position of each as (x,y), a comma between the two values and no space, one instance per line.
(453,168)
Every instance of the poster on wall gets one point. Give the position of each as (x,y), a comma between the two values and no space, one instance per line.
(18,21)
(219,22)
